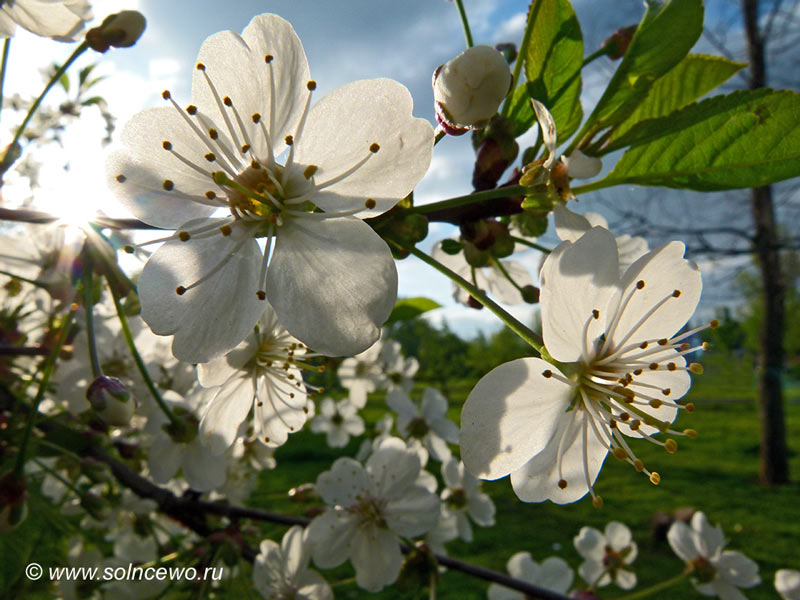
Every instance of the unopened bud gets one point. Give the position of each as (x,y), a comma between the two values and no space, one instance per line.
(473,303)
(580,166)
(508,50)
(475,257)
(530,294)
(304,493)
(111,400)
(120,30)
(468,90)
(496,149)
(616,44)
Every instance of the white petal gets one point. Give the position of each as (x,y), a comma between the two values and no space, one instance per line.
(735,568)
(664,271)
(330,535)
(46,18)
(399,401)
(498,592)
(681,540)
(270,34)
(555,574)
(218,371)
(625,579)
(510,416)
(502,289)
(481,509)
(437,447)
(376,557)
(577,279)
(332,283)
(787,584)
(581,166)
(537,480)
(590,544)
(337,438)
(393,467)
(570,225)
(414,513)
(212,318)
(279,410)
(710,539)
(203,470)
(227,411)
(339,131)
(522,566)
(346,480)
(618,536)
(293,548)
(451,474)
(434,404)
(164,458)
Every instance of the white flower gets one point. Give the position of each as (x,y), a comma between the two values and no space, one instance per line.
(382,430)
(400,370)
(362,374)
(570,226)
(716,572)
(502,278)
(330,278)
(468,90)
(368,508)
(578,165)
(581,166)
(552,574)
(262,374)
(282,573)
(787,584)
(62,20)
(605,556)
(621,372)
(427,423)
(339,420)
(463,498)
(202,469)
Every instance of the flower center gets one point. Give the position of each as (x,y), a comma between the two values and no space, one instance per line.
(417,428)
(703,570)
(456,499)
(369,511)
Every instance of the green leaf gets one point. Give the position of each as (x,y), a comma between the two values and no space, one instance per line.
(690,79)
(64,81)
(450,246)
(663,38)
(84,73)
(94,100)
(520,110)
(553,66)
(745,139)
(406,309)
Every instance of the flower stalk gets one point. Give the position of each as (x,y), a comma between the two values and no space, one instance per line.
(462,14)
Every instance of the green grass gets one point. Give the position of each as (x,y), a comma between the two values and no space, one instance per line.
(716,473)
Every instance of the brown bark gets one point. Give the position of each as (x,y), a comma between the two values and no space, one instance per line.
(773,463)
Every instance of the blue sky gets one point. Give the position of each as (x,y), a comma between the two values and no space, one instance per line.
(345,40)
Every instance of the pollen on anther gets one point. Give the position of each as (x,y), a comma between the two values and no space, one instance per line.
(620,454)
(210,157)
(128,249)
(690,433)
(311,85)
(640,284)
(211,194)
(268,58)
(643,345)
(245,148)
(597,502)
(595,313)
(166,145)
(370,203)
(180,290)
(168,185)
(547,374)
(655,478)
(676,294)
(696,368)
(213,134)
(672,366)
(624,417)
(666,391)
(200,67)
(262,295)
(689,406)
(705,346)
(289,139)
(184,236)
(638,464)
(562,483)
(191,109)
(227,101)
(121,178)
(654,366)
(256,117)
(656,403)
(638,372)
(309,171)
(713,324)
(374,147)
(663,342)
(166,95)
(225,230)
(671,446)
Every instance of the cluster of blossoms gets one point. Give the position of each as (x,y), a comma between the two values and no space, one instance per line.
(271,268)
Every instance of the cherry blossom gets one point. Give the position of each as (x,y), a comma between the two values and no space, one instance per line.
(427,423)
(62,20)
(607,555)
(621,371)
(463,499)
(552,573)
(357,151)
(339,420)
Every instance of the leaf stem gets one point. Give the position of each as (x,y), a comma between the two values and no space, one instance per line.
(126,332)
(462,14)
(533,339)
(88,305)
(503,192)
(530,244)
(657,587)
(523,51)
(47,368)
(6,48)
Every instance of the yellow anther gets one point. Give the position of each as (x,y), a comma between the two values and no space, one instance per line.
(261,295)
(227,101)
(663,342)
(656,403)
(714,324)
(655,478)
(166,145)
(370,203)
(643,345)
(640,284)
(225,230)
(705,346)
(595,313)
(121,178)
(210,157)
(268,58)
(620,454)
(624,417)
(374,147)
(690,433)
(256,117)
(191,109)
(184,236)
(672,366)
(562,483)
(654,366)
(597,502)
(200,66)
(666,391)
(245,148)
(289,139)
(676,294)
(309,171)
(168,185)
(213,133)
(638,464)
(671,446)
(311,85)
(166,95)
(696,368)
(180,290)
(547,373)
(689,407)
(211,194)
(128,249)
(638,372)
(635,424)
(612,424)
(685,346)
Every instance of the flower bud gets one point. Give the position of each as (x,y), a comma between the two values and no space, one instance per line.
(580,166)
(530,294)
(508,50)
(111,400)
(616,45)
(120,30)
(468,90)
(495,150)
